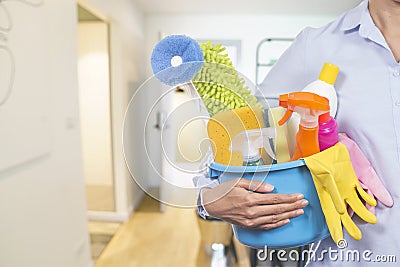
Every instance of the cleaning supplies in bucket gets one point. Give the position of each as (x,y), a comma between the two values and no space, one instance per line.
(287,178)
(309,106)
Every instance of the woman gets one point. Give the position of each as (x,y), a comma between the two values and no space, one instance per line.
(365,44)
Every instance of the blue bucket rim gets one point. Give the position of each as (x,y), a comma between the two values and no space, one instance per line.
(262,168)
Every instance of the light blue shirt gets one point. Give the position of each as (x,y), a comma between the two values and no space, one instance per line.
(368,88)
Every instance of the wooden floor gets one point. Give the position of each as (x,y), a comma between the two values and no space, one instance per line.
(151,238)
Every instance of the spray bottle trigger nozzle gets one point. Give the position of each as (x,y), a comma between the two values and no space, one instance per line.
(268,149)
(285,117)
(270,133)
(244,142)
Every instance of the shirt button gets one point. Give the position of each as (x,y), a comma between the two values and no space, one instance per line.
(396,73)
(397,103)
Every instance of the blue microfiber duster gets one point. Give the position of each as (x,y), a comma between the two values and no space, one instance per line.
(176,59)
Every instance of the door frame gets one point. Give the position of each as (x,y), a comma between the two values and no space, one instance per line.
(122,210)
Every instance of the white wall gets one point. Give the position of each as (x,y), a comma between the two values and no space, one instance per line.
(42,203)
(127,73)
(250,30)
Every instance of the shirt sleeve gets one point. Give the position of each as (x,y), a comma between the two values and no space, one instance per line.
(289,74)
(204,181)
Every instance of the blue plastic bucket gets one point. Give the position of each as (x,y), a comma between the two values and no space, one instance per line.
(287,178)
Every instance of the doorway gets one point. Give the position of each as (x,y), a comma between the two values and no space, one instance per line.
(95,110)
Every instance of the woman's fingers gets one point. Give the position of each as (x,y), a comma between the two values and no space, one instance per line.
(274,225)
(254,185)
(274,199)
(268,222)
(264,210)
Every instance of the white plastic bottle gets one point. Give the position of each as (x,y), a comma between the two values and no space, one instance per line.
(324,86)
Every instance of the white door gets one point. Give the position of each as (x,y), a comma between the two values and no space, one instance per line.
(171,142)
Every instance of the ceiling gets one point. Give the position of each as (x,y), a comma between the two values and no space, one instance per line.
(287,7)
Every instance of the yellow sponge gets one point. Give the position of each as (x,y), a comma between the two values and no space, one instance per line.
(225,125)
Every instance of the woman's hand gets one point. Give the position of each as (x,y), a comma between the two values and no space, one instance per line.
(233,202)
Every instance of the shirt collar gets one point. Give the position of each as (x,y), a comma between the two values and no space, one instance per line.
(360,16)
(355,17)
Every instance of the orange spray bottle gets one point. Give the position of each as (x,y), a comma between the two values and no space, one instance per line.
(309,106)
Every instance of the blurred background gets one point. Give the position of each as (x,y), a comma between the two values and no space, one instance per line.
(68,70)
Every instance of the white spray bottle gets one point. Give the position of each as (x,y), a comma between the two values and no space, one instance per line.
(324,86)
(249,143)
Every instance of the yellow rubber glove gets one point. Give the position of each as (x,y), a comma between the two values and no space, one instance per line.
(337,185)
(334,219)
